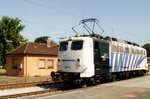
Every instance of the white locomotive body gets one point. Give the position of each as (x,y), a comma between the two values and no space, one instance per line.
(75,55)
(90,59)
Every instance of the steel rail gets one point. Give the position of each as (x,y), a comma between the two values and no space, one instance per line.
(31,84)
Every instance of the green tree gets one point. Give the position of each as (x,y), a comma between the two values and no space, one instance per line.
(147,47)
(1,50)
(10,36)
(43,39)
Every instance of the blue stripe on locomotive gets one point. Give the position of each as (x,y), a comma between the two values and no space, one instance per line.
(133,62)
(124,61)
(116,61)
(128,68)
(121,62)
(125,64)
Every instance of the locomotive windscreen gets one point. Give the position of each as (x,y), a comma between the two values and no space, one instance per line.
(63,46)
(76,45)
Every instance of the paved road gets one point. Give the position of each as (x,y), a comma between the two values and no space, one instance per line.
(137,88)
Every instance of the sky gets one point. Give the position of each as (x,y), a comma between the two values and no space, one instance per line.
(124,19)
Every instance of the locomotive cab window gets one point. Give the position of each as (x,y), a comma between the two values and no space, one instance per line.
(105,47)
(63,46)
(76,45)
(96,45)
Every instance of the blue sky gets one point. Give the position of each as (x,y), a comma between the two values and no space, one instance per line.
(125,19)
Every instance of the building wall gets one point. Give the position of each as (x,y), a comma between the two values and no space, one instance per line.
(29,65)
(15,72)
(33,68)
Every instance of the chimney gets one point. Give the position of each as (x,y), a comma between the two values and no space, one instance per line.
(48,43)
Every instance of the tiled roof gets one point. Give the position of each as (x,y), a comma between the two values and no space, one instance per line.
(31,48)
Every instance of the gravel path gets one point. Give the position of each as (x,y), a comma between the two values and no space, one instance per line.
(4,80)
(20,90)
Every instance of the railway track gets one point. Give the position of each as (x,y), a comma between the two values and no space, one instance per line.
(54,88)
(29,93)
(44,87)
(31,84)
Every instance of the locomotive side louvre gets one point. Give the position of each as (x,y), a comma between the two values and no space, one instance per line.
(125,57)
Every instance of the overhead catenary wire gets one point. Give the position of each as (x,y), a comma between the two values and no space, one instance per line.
(44,25)
(113,29)
(71,14)
(59,28)
(50,8)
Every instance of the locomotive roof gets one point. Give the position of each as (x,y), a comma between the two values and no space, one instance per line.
(91,31)
(107,38)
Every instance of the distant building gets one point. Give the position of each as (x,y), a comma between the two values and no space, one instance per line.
(32,59)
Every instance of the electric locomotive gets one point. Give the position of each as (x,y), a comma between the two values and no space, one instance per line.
(91,59)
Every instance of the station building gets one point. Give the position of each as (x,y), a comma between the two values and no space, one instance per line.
(32,59)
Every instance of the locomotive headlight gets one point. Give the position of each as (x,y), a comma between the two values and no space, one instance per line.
(78,62)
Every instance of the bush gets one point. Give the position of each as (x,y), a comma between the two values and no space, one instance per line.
(4,67)
(2,72)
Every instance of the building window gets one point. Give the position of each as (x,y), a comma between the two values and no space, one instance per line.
(49,63)
(41,63)
(14,64)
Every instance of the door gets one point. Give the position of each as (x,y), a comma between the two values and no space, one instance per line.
(104,54)
(97,57)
